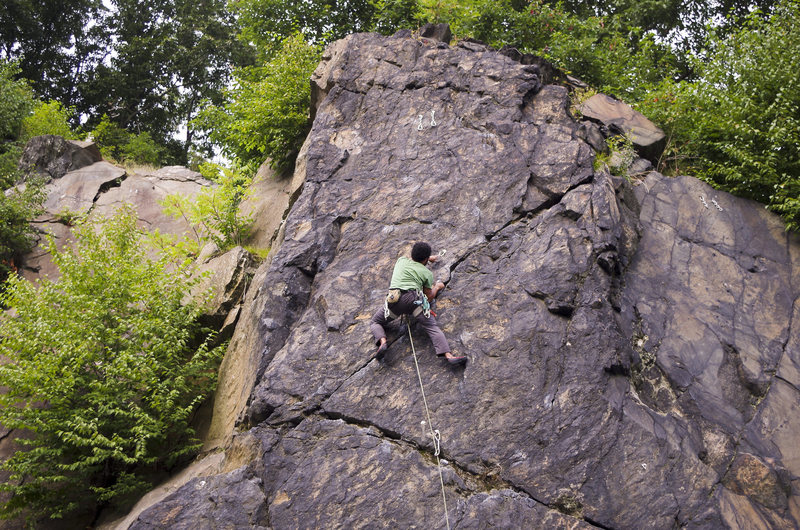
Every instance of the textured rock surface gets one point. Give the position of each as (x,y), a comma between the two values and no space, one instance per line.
(226,278)
(620,118)
(268,204)
(634,359)
(52,156)
(100,188)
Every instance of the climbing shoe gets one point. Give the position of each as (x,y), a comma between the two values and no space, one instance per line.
(381,350)
(456,361)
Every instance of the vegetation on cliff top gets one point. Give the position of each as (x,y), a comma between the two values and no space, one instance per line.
(182,77)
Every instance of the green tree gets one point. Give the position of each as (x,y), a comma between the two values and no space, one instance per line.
(110,138)
(104,371)
(142,149)
(267,110)
(17,100)
(117,144)
(626,64)
(48,118)
(391,15)
(267,23)
(738,125)
(684,23)
(168,57)
(16,103)
(55,41)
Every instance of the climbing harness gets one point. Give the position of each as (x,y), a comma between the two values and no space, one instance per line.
(423,303)
(435,434)
(423,306)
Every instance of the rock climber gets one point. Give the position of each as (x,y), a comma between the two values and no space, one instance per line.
(411,291)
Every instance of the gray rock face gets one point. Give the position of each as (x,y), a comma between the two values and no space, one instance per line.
(100,188)
(52,156)
(620,118)
(633,355)
(226,278)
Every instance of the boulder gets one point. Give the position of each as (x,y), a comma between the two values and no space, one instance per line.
(437,32)
(620,118)
(268,205)
(74,194)
(53,156)
(633,354)
(223,279)
(145,192)
(99,189)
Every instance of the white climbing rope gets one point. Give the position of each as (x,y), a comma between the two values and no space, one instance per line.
(435,434)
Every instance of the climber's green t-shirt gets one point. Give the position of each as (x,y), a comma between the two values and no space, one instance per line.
(410,275)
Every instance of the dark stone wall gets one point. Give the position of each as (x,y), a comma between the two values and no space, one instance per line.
(633,356)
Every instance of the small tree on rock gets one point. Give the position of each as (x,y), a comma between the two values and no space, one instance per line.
(104,370)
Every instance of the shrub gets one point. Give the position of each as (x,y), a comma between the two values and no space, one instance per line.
(17,209)
(622,63)
(215,213)
(104,372)
(391,15)
(16,102)
(738,126)
(110,138)
(48,118)
(10,153)
(122,146)
(142,149)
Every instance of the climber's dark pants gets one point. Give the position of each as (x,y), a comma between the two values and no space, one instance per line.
(406,306)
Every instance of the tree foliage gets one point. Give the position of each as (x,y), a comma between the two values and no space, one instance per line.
(104,371)
(214,213)
(267,111)
(683,23)
(55,41)
(17,101)
(21,116)
(169,56)
(18,207)
(624,64)
(267,23)
(48,118)
(738,125)
(117,144)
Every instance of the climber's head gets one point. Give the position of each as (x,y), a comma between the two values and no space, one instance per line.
(420,252)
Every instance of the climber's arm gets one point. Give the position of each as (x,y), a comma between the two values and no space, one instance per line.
(434,292)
